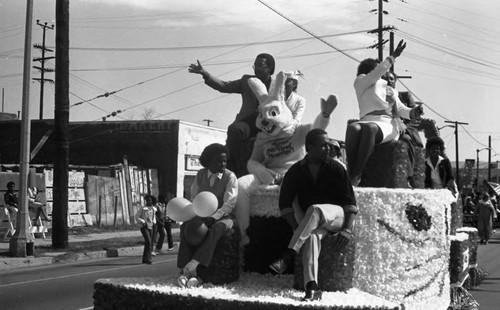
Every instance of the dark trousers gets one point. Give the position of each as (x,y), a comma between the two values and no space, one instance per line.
(240,139)
(205,251)
(148,242)
(168,230)
(160,233)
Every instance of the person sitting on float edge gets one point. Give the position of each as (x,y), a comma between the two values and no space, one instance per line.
(215,178)
(324,192)
(11,200)
(243,129)
(378,121)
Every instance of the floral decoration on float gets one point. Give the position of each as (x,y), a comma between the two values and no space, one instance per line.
(402,248)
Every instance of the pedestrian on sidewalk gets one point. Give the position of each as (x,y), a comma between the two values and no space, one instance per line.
(163,224)
(146,219)
(486,214)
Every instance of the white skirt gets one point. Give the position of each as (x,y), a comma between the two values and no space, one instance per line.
(386,124)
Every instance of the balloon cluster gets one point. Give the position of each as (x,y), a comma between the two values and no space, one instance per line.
(182,210)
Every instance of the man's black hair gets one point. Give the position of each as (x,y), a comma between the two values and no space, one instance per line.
(210,152)
(11,184)
(312,136)
(269,61)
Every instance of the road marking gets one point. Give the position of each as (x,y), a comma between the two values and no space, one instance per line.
(81,274)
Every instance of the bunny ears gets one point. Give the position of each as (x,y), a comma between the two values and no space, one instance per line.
(277,92)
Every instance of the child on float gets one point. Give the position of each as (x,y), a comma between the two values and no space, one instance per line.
(145,216)
(378,122)
(215,178)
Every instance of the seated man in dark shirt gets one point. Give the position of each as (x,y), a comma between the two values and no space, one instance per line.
(10,198)
(325,194)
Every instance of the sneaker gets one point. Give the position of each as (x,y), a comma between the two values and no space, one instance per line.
(182,281)
(193,282)
(153,253)
(170,249)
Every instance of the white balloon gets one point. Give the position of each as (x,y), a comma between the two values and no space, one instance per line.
(180,209)
(205,204)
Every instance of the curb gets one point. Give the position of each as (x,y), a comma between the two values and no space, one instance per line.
(14,263)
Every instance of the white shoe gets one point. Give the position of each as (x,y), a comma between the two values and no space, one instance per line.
(170,249)
(182,281)
(193,282)
(153,253)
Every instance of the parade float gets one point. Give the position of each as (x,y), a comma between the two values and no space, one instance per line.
(399,258)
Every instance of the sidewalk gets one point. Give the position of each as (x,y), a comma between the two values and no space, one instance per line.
(11,263)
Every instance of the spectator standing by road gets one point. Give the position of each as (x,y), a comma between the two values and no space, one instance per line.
(486,214)
(146,218)
(163,223)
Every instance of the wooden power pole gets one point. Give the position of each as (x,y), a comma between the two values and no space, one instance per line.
(61,128)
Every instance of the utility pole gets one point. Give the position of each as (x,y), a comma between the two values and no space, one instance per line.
(61,128)
(457,174)
(489,158)
(42,60)
(380,30)
(22,243)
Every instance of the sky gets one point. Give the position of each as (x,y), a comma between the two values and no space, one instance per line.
(140,51)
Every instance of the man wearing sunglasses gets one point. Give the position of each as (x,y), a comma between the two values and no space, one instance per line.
(241,133)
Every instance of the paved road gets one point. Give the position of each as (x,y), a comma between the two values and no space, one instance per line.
(70,286)
(488,293)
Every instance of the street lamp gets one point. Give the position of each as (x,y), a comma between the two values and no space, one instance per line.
(477,166)
(439,128)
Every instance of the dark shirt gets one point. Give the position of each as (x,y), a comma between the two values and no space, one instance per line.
(332,186)
(10,199)
(250,104)
(445,173)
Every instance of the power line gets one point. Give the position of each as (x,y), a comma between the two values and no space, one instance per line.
(204,47)
(307,31)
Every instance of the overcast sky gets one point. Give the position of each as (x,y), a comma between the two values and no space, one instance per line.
(141,50)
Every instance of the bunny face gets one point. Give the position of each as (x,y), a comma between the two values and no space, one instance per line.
(274,114)
(273,117)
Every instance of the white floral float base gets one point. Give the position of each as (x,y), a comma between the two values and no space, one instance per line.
(252,291)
